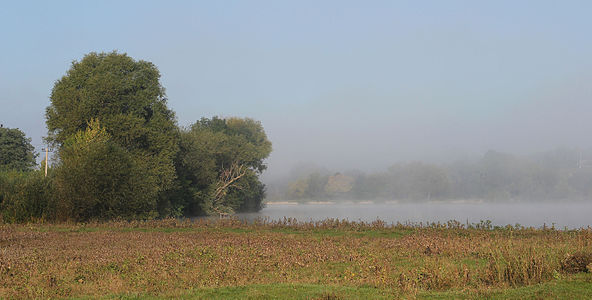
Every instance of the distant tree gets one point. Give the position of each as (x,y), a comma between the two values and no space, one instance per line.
(298,189)
(16,151)
(312,187)
(581,182)
(372,186)
(316,185)
(466,180)
(427,181)
(547,176)
(339,184)
(510,177)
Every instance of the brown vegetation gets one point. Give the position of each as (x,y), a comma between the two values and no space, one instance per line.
(171,256)
(577,262)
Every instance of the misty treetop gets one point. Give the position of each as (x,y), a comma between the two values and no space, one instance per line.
(496,176)
(121,154)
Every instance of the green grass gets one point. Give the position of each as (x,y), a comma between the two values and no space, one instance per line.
(271,291)
(576,287)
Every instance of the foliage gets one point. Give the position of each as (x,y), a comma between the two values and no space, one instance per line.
(208,150)
(218,203)
(338,184)
(243,140)
(312,186)
(128,99)
(135,164)
(98,179)
(577,262)
(16,151)
(250,195)
(26,196)
(418,181)
(299,190)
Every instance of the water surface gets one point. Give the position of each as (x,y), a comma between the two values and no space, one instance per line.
(570,215)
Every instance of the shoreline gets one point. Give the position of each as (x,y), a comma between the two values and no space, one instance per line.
(370,202)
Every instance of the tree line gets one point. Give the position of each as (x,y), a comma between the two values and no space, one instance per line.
(120,153)
(555,175)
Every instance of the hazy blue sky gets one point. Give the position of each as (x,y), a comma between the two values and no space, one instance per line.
(341,83)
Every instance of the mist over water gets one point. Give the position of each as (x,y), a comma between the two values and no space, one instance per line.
(563,215)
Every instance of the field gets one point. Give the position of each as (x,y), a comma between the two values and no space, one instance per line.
(331,259)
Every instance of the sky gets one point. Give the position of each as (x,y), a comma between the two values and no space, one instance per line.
(342,84)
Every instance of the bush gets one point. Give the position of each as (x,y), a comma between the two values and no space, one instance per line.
(26,196)
(577,262)
(98,179)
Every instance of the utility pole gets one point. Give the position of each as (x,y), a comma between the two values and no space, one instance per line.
(46,158)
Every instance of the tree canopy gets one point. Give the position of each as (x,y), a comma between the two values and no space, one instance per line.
(126,97)
(121,154)
(16,151)
(213,146)
(124,94)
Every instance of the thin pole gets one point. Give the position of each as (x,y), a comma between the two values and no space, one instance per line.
(46,154)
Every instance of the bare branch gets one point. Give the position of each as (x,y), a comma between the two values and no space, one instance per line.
(228,179)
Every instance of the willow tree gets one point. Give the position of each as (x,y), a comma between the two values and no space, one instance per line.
(219,164)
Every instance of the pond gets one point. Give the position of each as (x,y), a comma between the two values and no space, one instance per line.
(561,215)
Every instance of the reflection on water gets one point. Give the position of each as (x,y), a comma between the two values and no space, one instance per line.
(571,215)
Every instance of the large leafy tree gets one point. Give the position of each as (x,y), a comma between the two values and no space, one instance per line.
(16,151)
(127,98)
(218,165)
